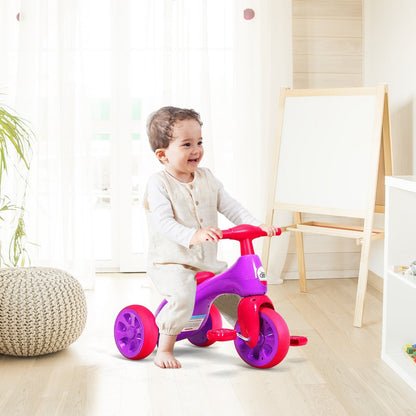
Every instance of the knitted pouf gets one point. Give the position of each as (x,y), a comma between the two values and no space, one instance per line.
(42,310)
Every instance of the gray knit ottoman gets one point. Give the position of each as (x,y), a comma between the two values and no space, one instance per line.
(42,310)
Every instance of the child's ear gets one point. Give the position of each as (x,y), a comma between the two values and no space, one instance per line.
(161,155)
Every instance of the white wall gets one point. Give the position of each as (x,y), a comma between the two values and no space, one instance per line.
(327,53)
(390,57)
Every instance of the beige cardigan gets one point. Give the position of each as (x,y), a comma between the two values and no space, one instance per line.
(175,210)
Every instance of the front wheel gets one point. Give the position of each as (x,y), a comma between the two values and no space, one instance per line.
(273,343)
(135,332)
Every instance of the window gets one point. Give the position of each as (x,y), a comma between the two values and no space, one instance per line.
(138,58)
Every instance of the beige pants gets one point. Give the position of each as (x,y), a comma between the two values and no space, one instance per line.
(176,283)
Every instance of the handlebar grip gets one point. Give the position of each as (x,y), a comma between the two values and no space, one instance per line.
(245,234)
(245,231)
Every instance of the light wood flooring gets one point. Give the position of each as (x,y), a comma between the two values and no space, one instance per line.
(339,372)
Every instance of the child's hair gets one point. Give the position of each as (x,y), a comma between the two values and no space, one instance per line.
(160,123)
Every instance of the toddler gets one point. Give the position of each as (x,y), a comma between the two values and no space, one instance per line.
(181,203)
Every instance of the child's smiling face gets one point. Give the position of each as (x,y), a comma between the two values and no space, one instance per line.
(181,158)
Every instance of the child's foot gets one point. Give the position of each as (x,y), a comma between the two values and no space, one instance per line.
(166,360)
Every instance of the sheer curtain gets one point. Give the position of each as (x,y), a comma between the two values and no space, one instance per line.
(201,54)
(50,94)
(262,64)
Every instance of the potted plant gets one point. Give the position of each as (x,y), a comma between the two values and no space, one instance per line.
(15,155)
(60,318)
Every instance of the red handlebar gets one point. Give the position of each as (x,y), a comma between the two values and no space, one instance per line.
(245,234)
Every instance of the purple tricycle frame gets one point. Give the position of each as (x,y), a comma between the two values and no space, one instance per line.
(245,268)
(261,336)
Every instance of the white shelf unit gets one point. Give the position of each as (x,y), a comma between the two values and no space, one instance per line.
(399,304)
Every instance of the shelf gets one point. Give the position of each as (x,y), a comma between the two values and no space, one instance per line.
(399,294)
(402,365)
(411,281)
(407,183)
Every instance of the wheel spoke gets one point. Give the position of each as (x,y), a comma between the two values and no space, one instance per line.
(132,345)
(128,318)
(256,351)
(121,327)
(136,322)
(125,319)
(123,342)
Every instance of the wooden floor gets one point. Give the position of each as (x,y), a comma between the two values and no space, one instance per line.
(338,373)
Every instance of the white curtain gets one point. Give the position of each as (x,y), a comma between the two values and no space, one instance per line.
(262,64)
(202,54)
(50,93)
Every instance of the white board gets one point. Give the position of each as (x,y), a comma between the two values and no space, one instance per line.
(325,153)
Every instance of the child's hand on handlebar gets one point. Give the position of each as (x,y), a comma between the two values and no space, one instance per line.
(212,234)
(271,230)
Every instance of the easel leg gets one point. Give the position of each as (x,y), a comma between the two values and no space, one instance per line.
(265,254)
(362,281)
(300,253)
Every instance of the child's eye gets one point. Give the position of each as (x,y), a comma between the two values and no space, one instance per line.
(187,144)
(200,143)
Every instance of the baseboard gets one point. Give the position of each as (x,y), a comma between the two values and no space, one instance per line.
(375,281)
(321,274)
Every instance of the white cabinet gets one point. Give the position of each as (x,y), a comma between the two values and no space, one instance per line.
(399,305)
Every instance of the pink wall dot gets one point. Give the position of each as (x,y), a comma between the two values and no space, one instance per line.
(249,14)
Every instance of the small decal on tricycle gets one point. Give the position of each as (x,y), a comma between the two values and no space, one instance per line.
(194,323)
(261,274)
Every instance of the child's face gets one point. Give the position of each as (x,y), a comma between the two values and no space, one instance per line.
(181,158)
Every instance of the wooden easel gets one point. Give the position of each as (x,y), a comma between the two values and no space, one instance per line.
(302,187)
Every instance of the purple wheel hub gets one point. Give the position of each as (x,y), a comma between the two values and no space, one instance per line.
(129,333)
(265,349)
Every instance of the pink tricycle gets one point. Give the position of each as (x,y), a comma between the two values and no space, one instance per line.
(261,336)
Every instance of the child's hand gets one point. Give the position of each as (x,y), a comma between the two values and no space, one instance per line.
(271,230)
(212,234)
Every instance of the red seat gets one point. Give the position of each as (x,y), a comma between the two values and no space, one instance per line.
(202,276)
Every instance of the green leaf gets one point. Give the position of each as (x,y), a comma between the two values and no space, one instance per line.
(16,140)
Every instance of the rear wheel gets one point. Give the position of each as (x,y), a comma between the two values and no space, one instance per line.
(273,343)
(135,332)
